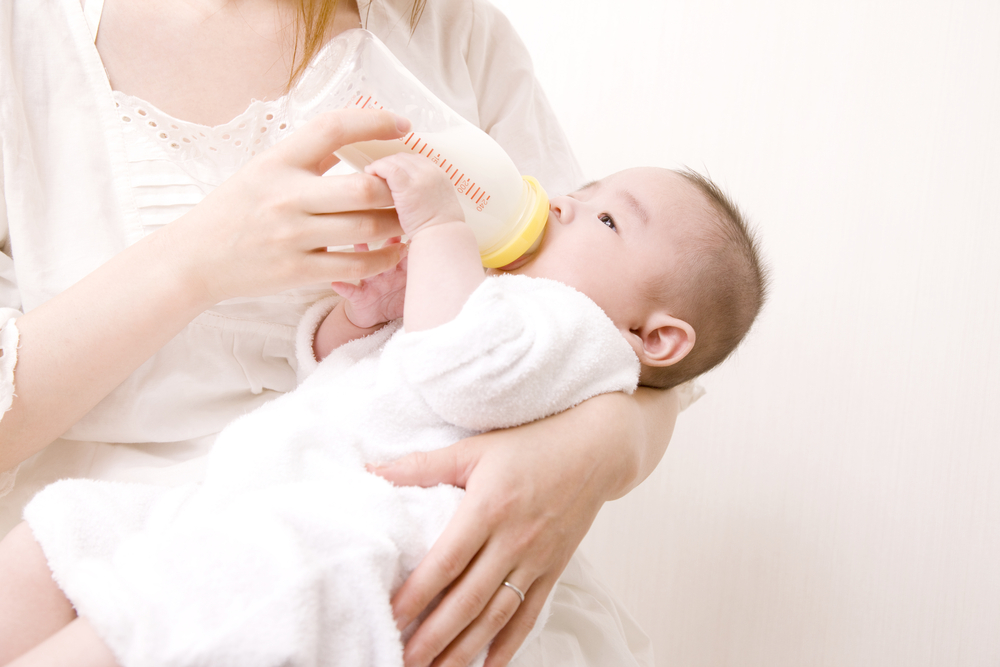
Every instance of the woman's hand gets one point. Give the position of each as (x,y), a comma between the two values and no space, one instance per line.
(532,494)
(264,230)
(267,228)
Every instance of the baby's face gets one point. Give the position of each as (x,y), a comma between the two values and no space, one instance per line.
(612,237)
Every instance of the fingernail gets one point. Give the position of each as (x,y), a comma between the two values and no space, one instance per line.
(402,124)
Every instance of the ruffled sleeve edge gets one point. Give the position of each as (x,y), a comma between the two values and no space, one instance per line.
(8,347)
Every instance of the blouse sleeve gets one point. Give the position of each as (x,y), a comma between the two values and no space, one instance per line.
(512,107)
(520,349)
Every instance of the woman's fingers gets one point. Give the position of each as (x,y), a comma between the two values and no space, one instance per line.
(267,227)
(344,229)
(513,634)
(503,607)
(462,538)
(346,192)
(474,609)
(323,266)
(450,465)
(532,503)
(321,136)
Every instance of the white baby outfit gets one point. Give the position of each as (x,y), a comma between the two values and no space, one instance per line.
(79,183)
(289,552)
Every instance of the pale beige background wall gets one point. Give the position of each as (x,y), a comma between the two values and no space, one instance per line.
(835,499)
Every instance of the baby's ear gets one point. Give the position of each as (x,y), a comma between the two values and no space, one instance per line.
(663,340)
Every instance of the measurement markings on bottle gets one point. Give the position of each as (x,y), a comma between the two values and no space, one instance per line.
(463,186)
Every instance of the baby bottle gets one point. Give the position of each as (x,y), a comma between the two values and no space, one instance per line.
(507,212)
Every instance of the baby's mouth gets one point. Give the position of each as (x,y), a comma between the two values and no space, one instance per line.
(516,264)
(528,255)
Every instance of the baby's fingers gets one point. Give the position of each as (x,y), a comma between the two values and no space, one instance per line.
(398,170)
(346,290)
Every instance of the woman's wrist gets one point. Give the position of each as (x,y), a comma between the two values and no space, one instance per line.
(177,269)
(192,258)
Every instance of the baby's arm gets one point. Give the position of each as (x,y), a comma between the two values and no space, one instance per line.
(365,307)
(441,269)
(444,266)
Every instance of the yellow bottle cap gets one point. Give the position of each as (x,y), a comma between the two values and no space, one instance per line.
(536,216)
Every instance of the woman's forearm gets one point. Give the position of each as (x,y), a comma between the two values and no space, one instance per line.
(77,347)
(651,425)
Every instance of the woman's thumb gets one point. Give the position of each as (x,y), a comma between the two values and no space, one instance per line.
(451,465)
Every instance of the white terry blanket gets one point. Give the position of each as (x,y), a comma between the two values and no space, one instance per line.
(289,551)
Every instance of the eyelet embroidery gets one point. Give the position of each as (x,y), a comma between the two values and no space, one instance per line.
(253,131)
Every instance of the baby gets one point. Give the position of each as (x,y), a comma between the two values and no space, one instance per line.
(289,551)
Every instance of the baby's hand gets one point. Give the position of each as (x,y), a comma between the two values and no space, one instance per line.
(422,194)
(377,299)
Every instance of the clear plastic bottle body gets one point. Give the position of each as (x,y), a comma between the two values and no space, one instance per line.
(506,212)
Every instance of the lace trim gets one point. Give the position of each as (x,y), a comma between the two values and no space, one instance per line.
(8,359)
(256,129)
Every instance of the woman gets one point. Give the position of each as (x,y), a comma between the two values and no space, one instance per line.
(154,314)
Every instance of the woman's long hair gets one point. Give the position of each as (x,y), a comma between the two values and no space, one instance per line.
(314,20)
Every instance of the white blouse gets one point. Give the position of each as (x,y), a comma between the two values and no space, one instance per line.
(87,171)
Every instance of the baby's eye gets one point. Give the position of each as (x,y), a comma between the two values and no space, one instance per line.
(608,220)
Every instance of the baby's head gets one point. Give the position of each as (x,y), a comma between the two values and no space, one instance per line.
(668,257)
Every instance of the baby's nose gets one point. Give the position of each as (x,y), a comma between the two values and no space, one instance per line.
(560,209)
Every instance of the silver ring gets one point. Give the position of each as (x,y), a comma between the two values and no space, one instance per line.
(514,588)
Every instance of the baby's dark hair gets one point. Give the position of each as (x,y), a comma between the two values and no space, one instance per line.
(718,287)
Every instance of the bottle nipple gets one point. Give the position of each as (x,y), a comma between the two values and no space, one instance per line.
(526,257)
(527,231)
